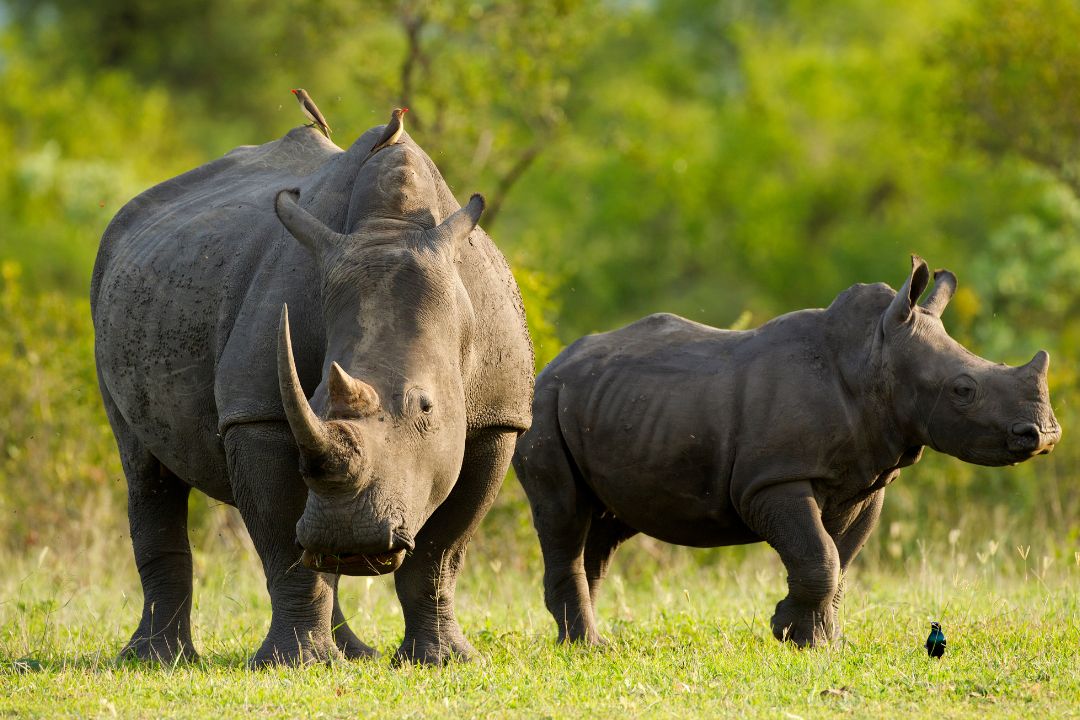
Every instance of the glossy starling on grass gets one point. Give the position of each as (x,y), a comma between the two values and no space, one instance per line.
(935,644)
(393,130)
(311,110)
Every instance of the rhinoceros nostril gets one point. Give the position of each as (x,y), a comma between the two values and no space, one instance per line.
(1024,437)
(1025,430)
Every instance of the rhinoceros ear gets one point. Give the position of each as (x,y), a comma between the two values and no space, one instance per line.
(900,308)
(302,225)
(457,227)
(944,287)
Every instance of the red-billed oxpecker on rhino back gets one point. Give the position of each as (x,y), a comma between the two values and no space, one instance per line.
(788,433)
(326,340)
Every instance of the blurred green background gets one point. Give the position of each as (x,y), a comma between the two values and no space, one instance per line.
(727,161)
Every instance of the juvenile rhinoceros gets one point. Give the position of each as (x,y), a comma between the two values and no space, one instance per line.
(403,325)
(788,433)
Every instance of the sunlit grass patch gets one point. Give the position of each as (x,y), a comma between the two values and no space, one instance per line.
(683,640)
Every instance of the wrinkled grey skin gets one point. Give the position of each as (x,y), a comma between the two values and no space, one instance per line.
(788,433)
(408,335)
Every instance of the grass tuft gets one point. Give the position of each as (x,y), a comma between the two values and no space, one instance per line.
(683,640)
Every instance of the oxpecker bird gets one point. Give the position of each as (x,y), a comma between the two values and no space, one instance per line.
(935,644)
(311,110)
(393,130)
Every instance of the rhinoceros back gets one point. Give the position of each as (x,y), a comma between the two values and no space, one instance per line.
(189,268)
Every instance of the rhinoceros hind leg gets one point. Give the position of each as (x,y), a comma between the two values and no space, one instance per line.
(426,582)
(562,508)
(606,534)
(345,639)
(157,515)
(270,495)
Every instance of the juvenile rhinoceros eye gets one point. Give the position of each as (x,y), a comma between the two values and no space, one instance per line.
(425,404)
(964,389)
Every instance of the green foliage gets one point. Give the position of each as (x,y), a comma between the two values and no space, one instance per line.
(58,463)
(73,148)
(1014,80)
(726,161)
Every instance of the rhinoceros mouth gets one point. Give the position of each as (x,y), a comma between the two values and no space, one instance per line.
(360,564)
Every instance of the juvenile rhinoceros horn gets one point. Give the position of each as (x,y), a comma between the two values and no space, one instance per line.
(1039,364)
(308,430)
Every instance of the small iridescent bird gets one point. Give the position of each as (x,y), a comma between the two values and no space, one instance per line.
(393,130)
(311,110)
(935,644)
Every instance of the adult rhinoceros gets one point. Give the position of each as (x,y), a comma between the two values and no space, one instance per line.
(788,433)
(403,325)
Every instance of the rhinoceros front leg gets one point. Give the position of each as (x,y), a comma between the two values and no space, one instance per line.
(788,517)
(270,495)
(426,582)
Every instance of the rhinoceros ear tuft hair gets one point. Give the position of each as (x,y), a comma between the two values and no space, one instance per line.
(349,397)
(944,287)
(476,205)
(901,307)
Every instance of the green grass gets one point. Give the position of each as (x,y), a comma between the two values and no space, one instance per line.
(686,640)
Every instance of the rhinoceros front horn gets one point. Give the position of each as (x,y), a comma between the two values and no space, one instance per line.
(1039,364)
(308,430)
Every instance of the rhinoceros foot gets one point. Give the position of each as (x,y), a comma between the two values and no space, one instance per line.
(440,650)
(352,647)
(158,649)
(372,564)
(804,626)
(316,648)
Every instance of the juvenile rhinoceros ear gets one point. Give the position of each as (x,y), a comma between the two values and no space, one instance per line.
(457,227)
(944,287)
(902,305)
(302,225)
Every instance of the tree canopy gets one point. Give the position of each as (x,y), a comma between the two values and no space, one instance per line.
(724,161)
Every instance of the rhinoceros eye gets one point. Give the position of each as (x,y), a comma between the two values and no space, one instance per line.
(963,389)
(417,399)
